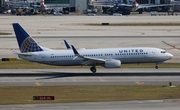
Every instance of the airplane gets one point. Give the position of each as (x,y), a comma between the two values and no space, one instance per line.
(42,7)
(107,57)
(128,6)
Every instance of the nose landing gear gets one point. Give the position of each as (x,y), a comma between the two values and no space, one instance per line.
(157,63)
(156,67)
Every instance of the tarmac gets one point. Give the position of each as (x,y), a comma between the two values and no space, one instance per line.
(74,25)
(167,104)
(83,76)
(49,31)
(8,46)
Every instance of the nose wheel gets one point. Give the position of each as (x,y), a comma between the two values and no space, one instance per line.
(156,67)
(93,69)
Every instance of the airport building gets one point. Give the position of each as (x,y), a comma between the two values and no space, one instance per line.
(176,3)
(139,1)
(82,5)
(71,5)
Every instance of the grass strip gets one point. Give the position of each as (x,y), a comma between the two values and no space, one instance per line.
(23,64)
(4,33)
(65,94)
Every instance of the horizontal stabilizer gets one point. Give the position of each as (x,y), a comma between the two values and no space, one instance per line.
(24,54)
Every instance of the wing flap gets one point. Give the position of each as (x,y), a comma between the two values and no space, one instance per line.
(90,61)
(104,5)
(148,6)
(87,60)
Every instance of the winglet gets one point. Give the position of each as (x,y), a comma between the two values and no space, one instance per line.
(75,51)
(67,45)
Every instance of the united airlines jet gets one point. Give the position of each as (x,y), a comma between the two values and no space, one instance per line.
(107,57)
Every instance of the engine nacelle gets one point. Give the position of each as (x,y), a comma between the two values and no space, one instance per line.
(112,64)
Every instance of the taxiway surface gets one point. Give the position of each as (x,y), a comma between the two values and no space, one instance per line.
(168,43)
(169,104)
(74,25)
(62,77)
(50,31)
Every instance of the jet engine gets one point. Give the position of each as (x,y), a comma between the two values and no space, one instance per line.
(112,64)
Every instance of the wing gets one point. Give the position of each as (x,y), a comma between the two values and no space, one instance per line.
(115,5)
(102,5)
(149,6)
(88,60)
(123,5)
(36,6)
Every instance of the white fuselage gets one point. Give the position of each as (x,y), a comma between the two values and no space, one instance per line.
(125,55)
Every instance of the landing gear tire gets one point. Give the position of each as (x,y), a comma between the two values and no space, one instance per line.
(156,67)
(140,11)
(93,69)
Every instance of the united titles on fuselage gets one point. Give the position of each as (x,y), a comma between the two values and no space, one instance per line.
(131,51)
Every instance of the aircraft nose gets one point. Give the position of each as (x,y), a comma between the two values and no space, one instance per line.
(169,55)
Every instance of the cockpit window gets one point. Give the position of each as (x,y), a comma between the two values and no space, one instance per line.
(163,51)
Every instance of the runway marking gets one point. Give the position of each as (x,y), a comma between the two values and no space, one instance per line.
(156,101)
(27,106)
(172,100)
(138,83)
(38,84)
(125,69)
(173,46)
(100,79)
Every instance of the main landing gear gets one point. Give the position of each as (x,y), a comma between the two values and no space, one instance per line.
(93,69)
(140,11)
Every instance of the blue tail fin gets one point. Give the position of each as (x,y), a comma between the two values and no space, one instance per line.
(67,45)
(25,42)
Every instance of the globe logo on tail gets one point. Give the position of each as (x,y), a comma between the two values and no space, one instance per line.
(29,45)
